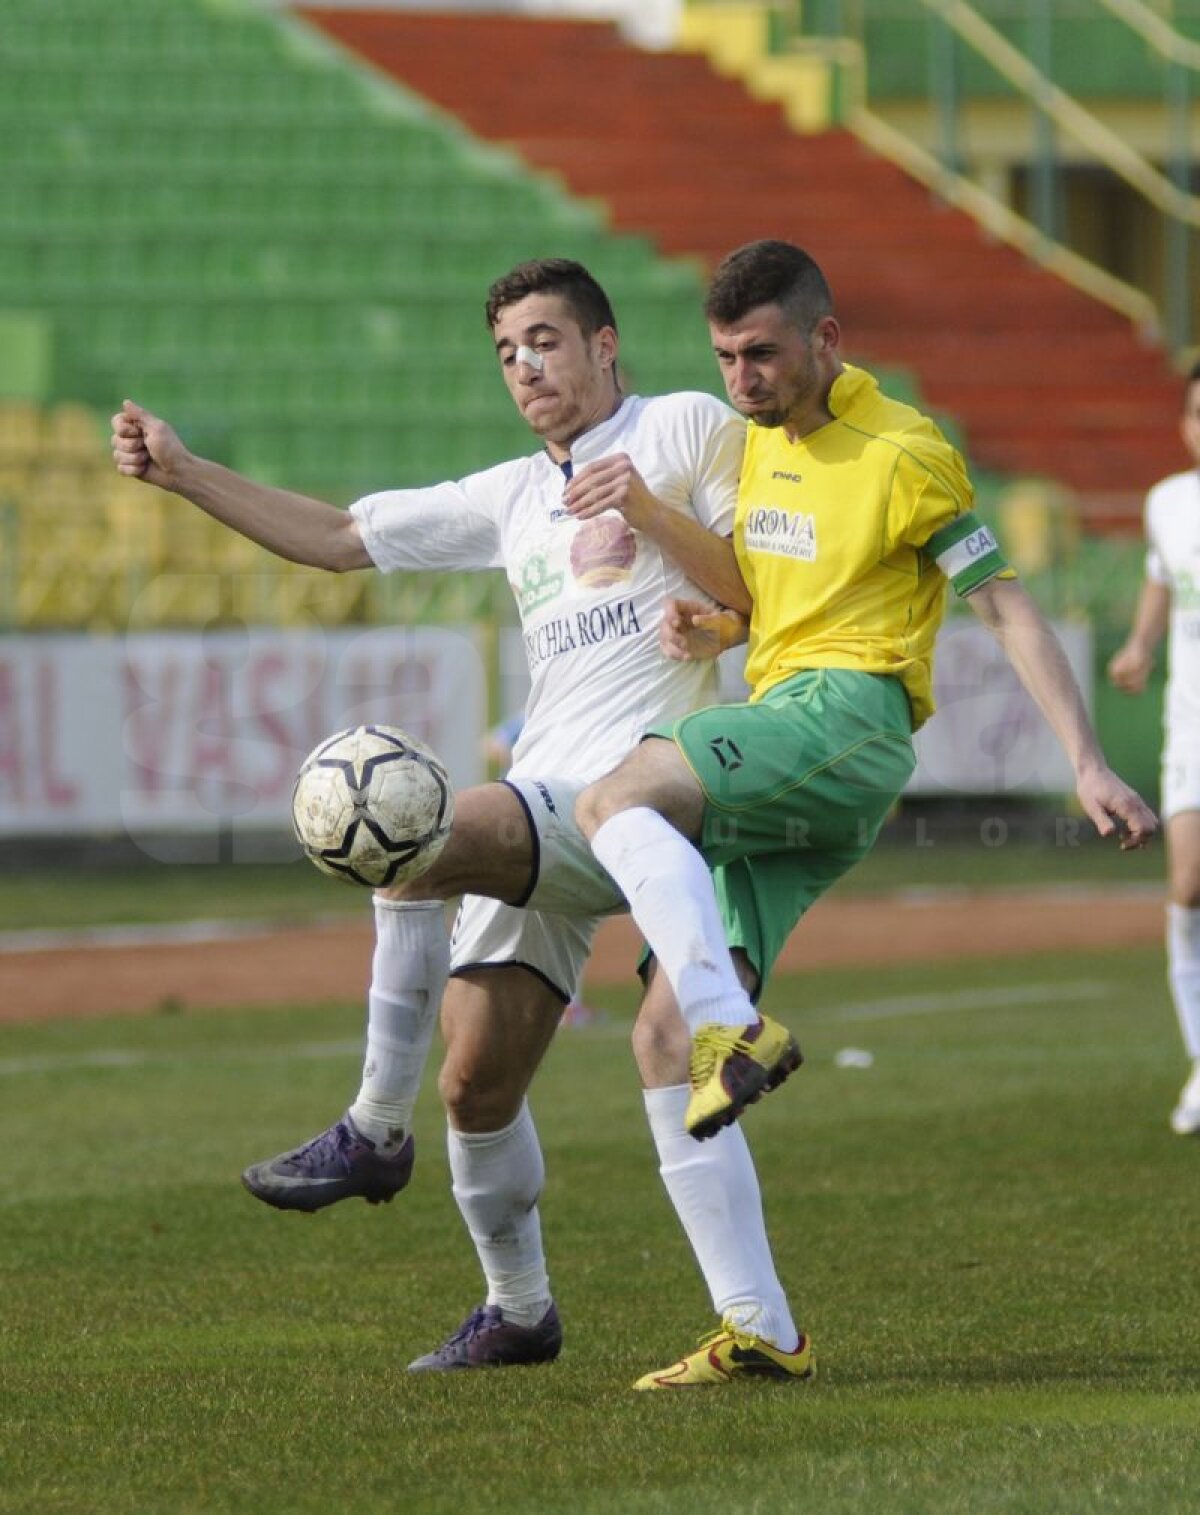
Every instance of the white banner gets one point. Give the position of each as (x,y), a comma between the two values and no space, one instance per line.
(204,733)
(173,732)
(987,737)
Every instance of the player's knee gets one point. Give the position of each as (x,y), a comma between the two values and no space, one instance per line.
(475,1101)
(660,1049)
(1185,892)
(595,804)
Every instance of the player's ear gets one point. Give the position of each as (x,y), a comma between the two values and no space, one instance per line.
(827,335)
(606,347)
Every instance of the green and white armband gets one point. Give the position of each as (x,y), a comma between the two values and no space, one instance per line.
(967,553)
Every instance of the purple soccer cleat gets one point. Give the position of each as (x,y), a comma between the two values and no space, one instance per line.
(486,1340)
(339,1164)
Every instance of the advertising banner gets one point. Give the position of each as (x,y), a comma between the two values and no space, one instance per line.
(185,732)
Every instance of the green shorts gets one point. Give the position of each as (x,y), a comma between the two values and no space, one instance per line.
(797,786)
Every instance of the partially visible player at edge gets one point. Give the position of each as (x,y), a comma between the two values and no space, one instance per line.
(853,514)
(1171,597)
(629,500)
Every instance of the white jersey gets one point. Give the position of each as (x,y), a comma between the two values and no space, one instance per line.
(1173,532)
(590,593)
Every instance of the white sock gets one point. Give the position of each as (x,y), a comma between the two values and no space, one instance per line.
(672,899)
(714,1188)
(408,974)
(1183,970)
(498,1176)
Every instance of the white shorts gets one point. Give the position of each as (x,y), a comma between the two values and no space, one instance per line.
(550,932)
(1180,776)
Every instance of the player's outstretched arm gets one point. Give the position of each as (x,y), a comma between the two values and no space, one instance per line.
(692,631)
(1041,664)
(1131,665)
(292,526)
(613,483)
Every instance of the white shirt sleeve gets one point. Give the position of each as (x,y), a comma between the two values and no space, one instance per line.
(1156,567)
(717,445)
(452,525)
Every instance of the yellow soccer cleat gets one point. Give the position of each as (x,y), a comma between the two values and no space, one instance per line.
(732,1066)
(729,1353)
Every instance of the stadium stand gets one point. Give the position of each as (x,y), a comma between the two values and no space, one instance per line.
(216,211)
(1044,380)
(233,217)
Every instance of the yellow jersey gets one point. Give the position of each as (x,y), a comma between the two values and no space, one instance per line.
(847,538)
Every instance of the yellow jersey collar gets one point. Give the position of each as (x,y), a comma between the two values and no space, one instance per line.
(851,387)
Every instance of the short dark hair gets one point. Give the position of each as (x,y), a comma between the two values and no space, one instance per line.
(1193,373)
(768,273)
(581,293)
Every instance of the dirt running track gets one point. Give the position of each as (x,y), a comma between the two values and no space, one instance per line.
(324,962)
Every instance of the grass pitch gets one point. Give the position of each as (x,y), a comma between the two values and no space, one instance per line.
(38,897)
(990,1233)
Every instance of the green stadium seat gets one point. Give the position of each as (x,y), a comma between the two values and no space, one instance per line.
(216,213)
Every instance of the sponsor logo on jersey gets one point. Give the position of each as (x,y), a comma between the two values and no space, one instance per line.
(786,533)
(1185,593)
(547,797)
(790,478)
(582,628)
(538,583)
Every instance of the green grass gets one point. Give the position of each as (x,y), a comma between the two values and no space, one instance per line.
(33,896)
(990,1233)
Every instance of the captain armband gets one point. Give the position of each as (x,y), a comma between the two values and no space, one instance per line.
(967,553)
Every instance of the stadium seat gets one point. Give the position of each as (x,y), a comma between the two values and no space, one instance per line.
(212,209)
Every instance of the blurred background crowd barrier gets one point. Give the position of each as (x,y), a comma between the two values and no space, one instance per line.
(276,227)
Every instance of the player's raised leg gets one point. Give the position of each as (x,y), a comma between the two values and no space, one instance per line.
(643,820)
(368,1151)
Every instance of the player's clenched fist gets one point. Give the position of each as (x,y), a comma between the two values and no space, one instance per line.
(1130,668)
(145,447)
(611,483)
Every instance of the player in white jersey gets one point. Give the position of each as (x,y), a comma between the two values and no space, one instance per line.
(592,532)
(1170,598)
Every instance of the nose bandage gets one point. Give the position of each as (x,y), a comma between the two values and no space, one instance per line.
(534,359)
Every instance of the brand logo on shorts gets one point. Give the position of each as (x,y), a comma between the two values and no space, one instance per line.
(547,797)
(727,753)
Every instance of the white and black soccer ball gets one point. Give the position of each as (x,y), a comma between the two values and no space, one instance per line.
(372,806)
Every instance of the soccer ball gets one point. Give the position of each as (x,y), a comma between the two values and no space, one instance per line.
(372,806)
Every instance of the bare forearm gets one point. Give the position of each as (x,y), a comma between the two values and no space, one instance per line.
(293,526)
(1040,663)
(708,559)
(1151,618)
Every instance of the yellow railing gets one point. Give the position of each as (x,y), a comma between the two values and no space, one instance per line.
(1067,114)
(1002,222)
(811,74)
(1155,32)
(820,80)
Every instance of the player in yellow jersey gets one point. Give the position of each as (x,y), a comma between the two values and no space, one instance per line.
(854,514)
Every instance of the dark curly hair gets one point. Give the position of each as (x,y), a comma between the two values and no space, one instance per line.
(768,273)
(582,295)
